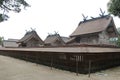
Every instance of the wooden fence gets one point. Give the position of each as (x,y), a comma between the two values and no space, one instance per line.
(75,62)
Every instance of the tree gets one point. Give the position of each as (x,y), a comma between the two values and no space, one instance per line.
(114,7)
(118,42)
(118,39)
(1,40)
(11,5)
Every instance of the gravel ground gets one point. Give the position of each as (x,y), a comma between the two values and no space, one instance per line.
(15,69)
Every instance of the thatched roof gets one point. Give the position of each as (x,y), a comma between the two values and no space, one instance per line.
(93,26)
(53,38)
(29,35)
(65,39)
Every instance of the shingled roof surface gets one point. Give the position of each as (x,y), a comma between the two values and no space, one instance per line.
(92,26)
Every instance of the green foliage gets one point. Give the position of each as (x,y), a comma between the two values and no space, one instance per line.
(1,40)
(114,7)
(118,42)
(1,18)
(11,5)
(118,39)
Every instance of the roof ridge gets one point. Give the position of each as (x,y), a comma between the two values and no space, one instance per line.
(93,19)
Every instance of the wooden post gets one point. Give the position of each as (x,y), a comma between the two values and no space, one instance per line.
(36,56)
(77,65)
(51,63)
(89,68)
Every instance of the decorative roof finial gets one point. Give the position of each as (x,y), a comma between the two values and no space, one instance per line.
(56,32)
(33,29)
(102,13)
(84,17)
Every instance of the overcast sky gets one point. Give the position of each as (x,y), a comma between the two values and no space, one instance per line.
(47,16)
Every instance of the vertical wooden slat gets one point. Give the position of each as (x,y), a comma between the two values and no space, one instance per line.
(36,57)
(51,62)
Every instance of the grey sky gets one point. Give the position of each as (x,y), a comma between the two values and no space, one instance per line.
(47,16)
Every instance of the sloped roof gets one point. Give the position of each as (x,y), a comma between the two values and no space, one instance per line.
(65,39)
(70,40)
(53,38)
(29,35)
(15,40)
(92,26)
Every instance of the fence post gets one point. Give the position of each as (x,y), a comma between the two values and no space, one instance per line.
(89,68)
(77,65)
